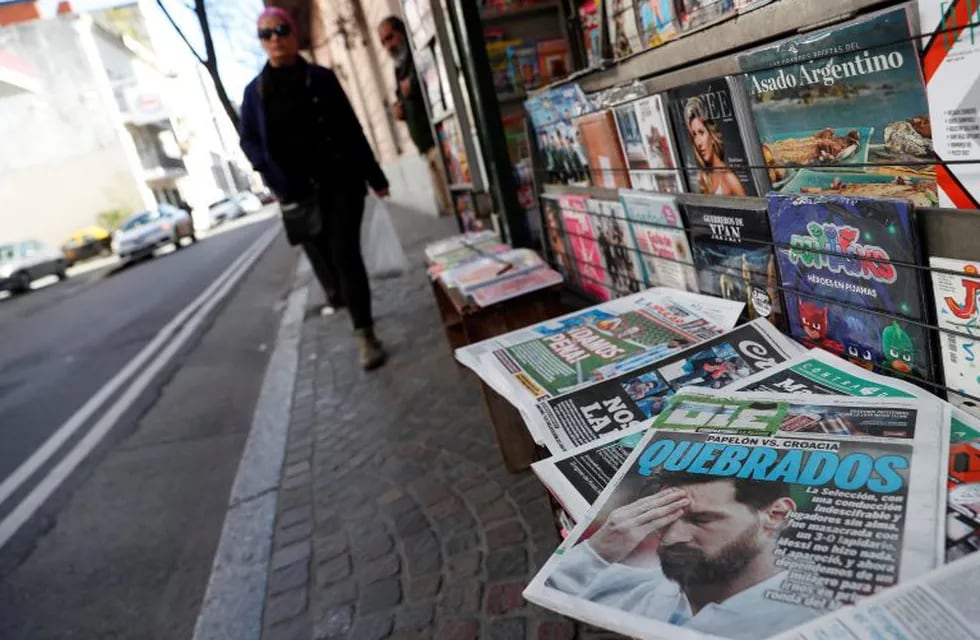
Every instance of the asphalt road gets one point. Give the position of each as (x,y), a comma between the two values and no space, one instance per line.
(124,547)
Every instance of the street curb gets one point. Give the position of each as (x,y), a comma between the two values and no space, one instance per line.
(233,603)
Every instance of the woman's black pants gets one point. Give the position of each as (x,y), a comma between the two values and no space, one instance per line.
(335,255)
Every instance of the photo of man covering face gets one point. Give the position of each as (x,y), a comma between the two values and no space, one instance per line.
(691,550)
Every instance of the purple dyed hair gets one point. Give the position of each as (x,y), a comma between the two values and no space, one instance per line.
(281,13)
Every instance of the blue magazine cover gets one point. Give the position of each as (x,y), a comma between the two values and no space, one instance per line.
(858,252)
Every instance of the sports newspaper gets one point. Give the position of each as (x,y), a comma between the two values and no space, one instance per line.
(596,423)
(543,360)
(745,515)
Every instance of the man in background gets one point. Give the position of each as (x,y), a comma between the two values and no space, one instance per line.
(410,105)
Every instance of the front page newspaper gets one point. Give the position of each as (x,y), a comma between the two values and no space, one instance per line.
(549,358)
(818,372)
(742,517)
(596,418)
(588,413)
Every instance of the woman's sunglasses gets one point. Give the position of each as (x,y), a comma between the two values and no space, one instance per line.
(282,30)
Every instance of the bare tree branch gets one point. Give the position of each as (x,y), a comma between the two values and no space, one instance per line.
(179,31)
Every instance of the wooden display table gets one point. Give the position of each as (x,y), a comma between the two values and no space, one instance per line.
(465,324)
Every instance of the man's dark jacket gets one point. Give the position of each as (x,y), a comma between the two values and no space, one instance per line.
(414,105)
(349,162)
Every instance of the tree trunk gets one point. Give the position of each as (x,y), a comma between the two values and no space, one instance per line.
(211,63)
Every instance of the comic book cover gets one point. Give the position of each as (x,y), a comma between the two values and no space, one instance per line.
(657,228)
(843,110)
(852,250)
(956,294)
(619,253)
(711,140)
(583,241)
(734,257)
(744,516)
(607,166)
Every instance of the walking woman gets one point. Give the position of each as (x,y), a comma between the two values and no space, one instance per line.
(300,132)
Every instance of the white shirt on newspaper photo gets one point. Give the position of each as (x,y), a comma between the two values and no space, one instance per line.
(747,615)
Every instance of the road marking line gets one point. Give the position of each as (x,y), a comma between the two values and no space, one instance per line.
(233,604)
(185,327)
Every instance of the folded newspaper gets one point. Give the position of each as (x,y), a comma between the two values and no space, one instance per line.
(742,517)
(585,428)
(549,358)
(818,372)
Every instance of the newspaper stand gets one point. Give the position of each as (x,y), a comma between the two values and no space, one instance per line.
(465,323)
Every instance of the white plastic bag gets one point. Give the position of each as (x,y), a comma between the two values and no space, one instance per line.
(382,250)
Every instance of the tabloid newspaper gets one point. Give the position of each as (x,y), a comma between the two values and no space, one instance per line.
(818,372)
(745,515)
(591,412)
(599,425)
(941,604)
(555,356)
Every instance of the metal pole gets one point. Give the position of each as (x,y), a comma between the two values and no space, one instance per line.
(468,28)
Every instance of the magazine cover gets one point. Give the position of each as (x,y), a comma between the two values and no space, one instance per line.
(660,239)
(503,79)
(583,415)
(453,153)
(551,115)
(848,100)
(700,13)
(555,356)
(607,166)
(619,253)
(851,250)
(711,142)
(743,517)
(554,61)
(557,251)
(963,485)
(657,168)
(734,257)
(590,17)
(624,36)
(629,136)
(582,239)
(524,70)
(658,22)
(951,64)
(956,293)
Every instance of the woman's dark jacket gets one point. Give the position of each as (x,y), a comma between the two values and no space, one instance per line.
(338,155)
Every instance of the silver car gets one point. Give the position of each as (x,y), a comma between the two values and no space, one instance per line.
(142,234)
(22,263)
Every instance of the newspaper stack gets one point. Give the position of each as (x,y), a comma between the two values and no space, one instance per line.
(786,501)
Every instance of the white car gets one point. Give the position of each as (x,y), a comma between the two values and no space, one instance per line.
(225,209)
(145,232)
(249,202)
(22,263)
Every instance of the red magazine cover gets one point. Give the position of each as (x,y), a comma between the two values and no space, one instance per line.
(583,240)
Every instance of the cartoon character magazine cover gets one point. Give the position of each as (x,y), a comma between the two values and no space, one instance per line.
(859,253)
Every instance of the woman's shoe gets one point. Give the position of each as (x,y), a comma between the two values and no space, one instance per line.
(369,349)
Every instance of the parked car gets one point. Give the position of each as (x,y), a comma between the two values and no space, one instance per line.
(249,202)
(225,209)
(265,196)
(87,243)
(22,263)
(142,234)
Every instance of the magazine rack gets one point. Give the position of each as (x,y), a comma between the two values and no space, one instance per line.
(466,324)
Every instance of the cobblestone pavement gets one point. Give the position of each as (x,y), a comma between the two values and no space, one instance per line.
(396,518)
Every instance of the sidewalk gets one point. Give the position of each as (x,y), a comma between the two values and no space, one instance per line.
(395,517)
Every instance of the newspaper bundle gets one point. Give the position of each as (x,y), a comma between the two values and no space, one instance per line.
(549,358)
(745,516)
(592,430)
